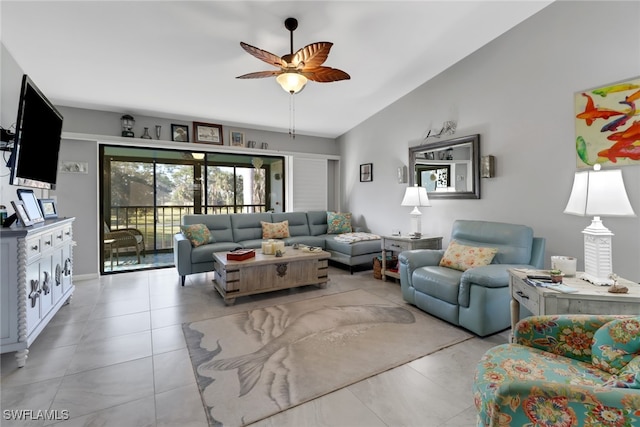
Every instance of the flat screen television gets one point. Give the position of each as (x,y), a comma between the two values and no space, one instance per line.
(34,158)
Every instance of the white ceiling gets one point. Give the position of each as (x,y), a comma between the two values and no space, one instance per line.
(179,59)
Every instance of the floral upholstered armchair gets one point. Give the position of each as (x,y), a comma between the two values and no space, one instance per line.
(563,370)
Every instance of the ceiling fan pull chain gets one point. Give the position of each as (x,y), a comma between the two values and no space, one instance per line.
(292,117)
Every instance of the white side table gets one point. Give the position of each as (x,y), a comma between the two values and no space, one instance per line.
(404,243)
(590,299)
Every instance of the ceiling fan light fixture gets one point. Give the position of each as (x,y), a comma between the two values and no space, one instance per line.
(292,82)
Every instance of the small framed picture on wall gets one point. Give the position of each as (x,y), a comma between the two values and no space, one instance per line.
(237,139)
(180,133)
(207,133)
(366,172)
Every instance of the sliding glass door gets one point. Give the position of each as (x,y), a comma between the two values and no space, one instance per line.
(145,192)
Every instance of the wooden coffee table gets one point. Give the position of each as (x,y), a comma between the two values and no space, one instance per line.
(266,273)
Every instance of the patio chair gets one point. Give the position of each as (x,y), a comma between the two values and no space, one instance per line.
(124,238)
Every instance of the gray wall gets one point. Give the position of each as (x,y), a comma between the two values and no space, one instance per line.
(96,122)
(517,93)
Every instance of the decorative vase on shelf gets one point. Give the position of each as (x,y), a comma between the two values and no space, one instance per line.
(158,131)
(145,134)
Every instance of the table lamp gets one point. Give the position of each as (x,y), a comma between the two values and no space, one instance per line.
(416,196)
(597,193)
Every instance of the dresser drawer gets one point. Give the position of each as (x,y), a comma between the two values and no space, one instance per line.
(526,296)
(34,247)
(58,236)
(46,242)
(67,233)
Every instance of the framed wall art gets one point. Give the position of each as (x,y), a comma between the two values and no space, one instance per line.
(74,167)
(207,133)
(180,133)
(607,124)
(236,139)
(366,172)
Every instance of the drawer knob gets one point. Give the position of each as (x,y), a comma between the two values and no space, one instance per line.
(48,242)
(522,295)
(34,247)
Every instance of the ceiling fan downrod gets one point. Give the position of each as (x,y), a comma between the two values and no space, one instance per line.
(291,24)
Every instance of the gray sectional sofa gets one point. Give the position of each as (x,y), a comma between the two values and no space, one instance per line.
(231,231)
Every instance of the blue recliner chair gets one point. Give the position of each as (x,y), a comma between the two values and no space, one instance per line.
(477,299)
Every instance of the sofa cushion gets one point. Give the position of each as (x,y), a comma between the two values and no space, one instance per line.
(204,253)
(615,344)
(438,282)
(316,241)
(463,257)
(198,234)
(317,221)
(219,225)
(513,241)
(248,226)
(298,223)
(338,222)
(275,230)
(352,249)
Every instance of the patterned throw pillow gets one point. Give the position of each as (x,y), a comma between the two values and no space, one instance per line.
(198,234)
(338,222)
(275,230)
(462,257)
(629,376)
(615,344)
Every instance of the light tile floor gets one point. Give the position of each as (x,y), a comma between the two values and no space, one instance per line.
(116,356)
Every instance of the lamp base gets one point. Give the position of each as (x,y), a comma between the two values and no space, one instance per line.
(598,261)
(416,222)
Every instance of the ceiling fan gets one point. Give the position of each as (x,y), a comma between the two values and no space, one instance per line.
(296,68)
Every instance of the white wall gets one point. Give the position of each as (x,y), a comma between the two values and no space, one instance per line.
(517,93)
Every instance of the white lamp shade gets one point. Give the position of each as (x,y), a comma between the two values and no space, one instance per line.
(415,196)
(599,193)
(292,82)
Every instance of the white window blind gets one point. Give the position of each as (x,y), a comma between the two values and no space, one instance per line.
(310,183)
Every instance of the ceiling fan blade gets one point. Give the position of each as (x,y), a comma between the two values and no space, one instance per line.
(260,74)
(312,55)
(325,74)
(263,55)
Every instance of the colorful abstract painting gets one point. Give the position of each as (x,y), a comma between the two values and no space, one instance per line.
(608,125)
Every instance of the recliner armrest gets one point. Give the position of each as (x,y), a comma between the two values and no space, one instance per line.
(488,276)
(420,257)
(410,260)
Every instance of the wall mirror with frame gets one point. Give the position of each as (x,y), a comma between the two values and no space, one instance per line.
(447,169)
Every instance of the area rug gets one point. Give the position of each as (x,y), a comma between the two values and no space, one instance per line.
(254,364)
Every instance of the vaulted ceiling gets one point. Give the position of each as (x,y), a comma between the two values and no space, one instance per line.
(179,59)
